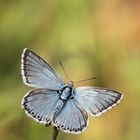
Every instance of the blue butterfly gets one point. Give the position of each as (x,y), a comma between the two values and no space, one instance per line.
(61,105)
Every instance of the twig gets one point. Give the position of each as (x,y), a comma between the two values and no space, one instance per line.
(55,134)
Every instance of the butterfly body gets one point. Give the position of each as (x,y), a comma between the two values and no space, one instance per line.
(65,94)
(62,105)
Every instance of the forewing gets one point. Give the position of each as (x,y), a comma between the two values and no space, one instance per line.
(40,104)
(38,73)
(72,118)
(96,100)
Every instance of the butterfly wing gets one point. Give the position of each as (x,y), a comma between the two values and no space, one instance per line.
(72,118)
(96,100)
(40,104)
(38,73)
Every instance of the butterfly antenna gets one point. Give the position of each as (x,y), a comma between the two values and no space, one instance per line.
(86,80)
(63,70)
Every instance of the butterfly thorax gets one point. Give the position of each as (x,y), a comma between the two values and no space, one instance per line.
(67,91)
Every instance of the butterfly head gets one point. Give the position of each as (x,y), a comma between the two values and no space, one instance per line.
(70,84)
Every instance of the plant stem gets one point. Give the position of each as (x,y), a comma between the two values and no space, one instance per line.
(55,134)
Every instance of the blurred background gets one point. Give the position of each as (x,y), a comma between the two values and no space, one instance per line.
(91,38)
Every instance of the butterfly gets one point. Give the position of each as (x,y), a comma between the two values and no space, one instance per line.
(52,102)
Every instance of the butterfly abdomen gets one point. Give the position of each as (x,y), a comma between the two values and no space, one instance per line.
(59,107)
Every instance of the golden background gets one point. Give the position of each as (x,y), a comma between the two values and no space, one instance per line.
(91,38)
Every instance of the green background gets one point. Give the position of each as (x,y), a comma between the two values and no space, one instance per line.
(92,38)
